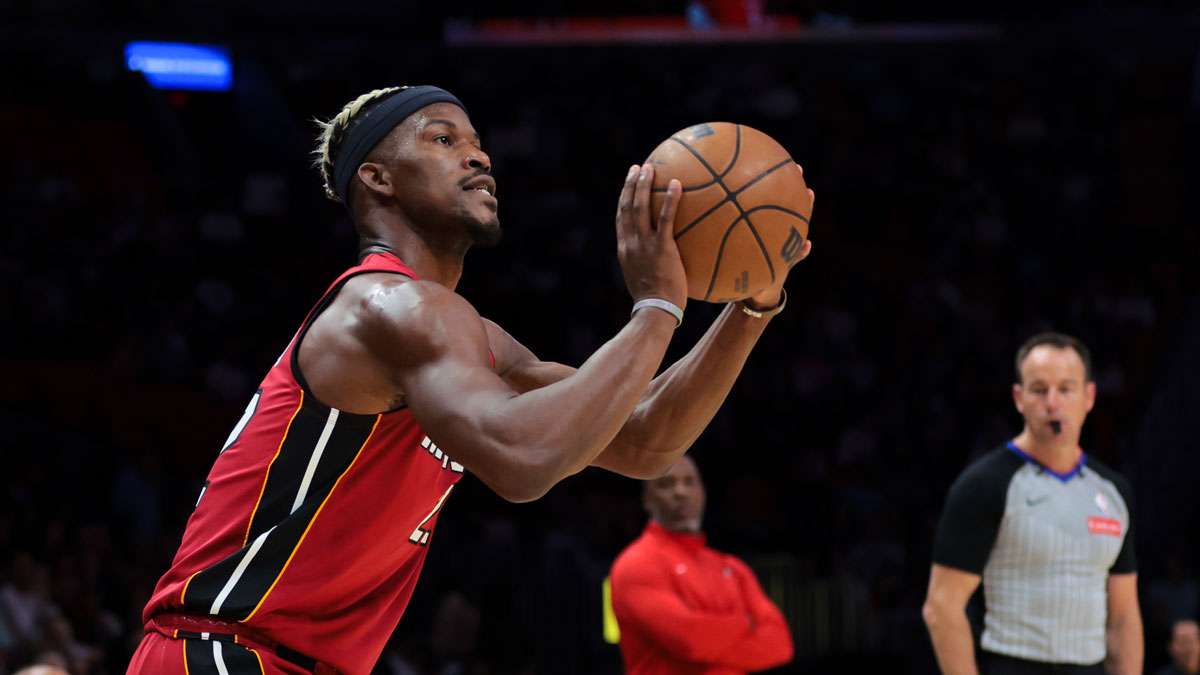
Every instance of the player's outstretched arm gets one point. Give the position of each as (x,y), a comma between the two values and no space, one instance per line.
(678,404)
(681,401)
(434,347)
(519,444)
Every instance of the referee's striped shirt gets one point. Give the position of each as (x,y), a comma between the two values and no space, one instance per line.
(1045,544)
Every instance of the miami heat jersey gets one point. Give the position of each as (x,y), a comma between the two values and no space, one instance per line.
(313,524)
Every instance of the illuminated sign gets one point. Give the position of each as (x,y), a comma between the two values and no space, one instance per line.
(175,65)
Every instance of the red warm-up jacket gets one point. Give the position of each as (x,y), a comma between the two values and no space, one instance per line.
(684,608)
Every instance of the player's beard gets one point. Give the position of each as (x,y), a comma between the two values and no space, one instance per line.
(487,233)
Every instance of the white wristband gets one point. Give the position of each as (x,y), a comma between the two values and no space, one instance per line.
(665,305)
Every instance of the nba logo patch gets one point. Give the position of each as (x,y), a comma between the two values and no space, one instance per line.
(1102,503)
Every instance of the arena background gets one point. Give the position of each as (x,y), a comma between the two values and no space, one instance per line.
(982,173)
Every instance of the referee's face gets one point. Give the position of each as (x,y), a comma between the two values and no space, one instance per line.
(676,500)
(1054,393)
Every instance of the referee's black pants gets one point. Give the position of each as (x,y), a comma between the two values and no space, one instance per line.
(991,663)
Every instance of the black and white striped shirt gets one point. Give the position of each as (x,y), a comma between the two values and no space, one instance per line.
(1044,544)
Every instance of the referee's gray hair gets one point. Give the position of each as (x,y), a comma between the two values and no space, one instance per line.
(334,132)
(1058,341)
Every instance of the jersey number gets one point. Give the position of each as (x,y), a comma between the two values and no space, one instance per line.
(420,536)
(251,408)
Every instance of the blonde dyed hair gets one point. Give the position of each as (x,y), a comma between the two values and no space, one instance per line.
(334,131)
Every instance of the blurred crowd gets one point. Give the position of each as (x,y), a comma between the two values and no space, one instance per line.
(160,248)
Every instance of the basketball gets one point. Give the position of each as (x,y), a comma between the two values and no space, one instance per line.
(744,213)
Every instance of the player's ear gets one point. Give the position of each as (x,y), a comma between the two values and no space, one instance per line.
(1089,392)
(376,178)
(1016,394)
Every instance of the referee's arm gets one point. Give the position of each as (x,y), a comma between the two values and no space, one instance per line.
(965,535)
(945,614)
(1125,642)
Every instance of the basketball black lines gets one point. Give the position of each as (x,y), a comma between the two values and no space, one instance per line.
(731,198)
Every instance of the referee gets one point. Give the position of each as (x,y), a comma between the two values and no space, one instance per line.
(1046,529)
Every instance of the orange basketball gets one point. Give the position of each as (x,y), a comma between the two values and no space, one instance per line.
(744,212)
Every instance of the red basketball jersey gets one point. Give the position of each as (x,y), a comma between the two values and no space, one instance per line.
(313,524)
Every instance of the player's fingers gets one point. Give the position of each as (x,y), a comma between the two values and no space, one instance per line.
(641,198)
(812,196)
(666,216)
(805,249)
(625,201)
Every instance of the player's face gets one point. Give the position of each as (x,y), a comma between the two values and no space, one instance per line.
(1185,646)
(443,176)
(676,500)
(1054,391)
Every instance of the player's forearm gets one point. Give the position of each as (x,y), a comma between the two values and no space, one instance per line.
(680,402)
(1126,645)
(950,632)
(533,440)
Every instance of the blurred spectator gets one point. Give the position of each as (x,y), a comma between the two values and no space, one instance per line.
(1184,649)
(25,599)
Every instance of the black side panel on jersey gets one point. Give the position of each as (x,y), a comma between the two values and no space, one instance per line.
(974,508)
(318,441)
(235,586)
(1126,562)
(200,656)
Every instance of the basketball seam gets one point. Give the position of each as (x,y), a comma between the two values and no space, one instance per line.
(731,197)
(720,252)
(750,223)
(776,207)
(737,150)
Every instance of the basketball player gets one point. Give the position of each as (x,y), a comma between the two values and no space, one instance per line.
(1047,531)
(307,541)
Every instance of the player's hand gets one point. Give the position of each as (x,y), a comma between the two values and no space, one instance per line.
(646,245)
(770,296)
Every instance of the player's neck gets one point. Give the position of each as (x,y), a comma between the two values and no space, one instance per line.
(440,264)
(1060,455)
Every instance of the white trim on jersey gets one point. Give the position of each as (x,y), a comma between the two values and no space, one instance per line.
(238,571)
(315,458)
(218,658)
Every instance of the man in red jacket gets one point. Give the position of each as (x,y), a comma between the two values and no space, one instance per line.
(682,607)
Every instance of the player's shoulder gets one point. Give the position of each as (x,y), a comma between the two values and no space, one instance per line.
(387,310)
(400,303)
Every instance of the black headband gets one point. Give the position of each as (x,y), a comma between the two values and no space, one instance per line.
(377,124)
